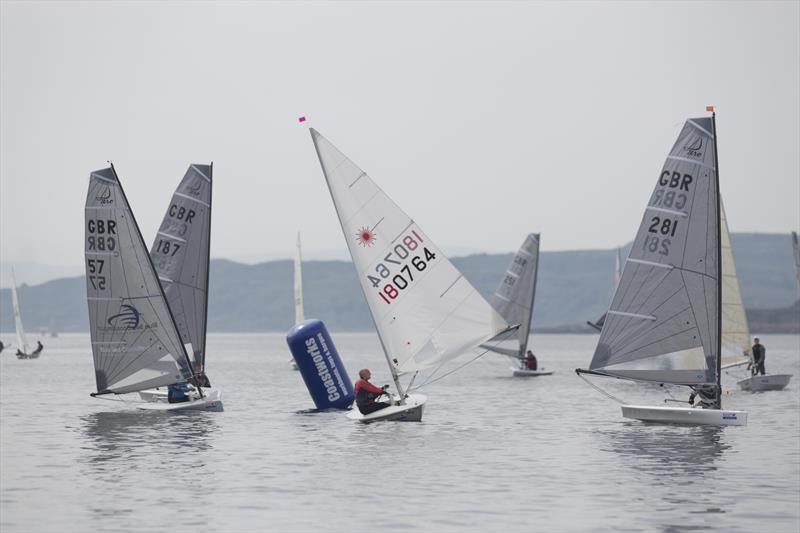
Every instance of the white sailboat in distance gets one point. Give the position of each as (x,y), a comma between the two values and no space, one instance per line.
(425,312)
(23,351)
(598,325)
(135,340)
(299,312)
(514,300)
(665,322)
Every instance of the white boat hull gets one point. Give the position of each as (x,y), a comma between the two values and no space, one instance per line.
(211,401)
(522,373)
(764,383)
(410,411)
(685,415)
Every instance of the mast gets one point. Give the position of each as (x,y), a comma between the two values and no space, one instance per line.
(208,260)
(395,377)
(153,270)
(719,265)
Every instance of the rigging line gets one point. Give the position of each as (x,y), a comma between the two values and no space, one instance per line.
(601,391)
(430,380)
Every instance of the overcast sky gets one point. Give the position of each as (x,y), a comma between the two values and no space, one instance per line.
(483,121)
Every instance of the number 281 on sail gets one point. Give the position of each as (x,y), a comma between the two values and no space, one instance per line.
(411,257)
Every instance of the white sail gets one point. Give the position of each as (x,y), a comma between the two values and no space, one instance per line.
(515,295)
(424,309)
(299,314)
(135,343)
(663,323)
(796,250)
(22,340)
(735,333)
(180,254)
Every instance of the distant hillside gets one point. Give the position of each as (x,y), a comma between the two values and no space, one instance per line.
(573,287)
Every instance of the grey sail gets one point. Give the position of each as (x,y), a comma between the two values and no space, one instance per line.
(796,249)
(663,323)
(180,256)
(515,295)
(134,340)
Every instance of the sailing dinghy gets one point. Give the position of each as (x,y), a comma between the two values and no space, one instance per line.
(514,299)
(796,250)
(735,330)
(425,312)
(135,340)
(598,324)
(22,340)
(299,313)
(665,321)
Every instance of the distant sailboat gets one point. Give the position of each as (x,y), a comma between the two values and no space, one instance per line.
(598,325)
(22,341)
(514,300)
(665,322)
(425,312)
(299,314)
(796,250)
(135,341)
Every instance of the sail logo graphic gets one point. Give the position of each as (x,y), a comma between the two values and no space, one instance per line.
(127,318)
(366,237)
(196,187)
(105,196)
(694,149)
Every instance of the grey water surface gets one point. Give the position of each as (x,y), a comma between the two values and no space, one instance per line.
(493,453)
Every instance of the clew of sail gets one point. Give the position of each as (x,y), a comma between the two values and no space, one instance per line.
(424,310)
(22,340)
(515,295)
(735,333)
(134,340)
(663,324)
(180,256)
(299,314)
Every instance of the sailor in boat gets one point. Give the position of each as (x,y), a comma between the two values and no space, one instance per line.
(39,348)
(2,346)
(530,361)
(759,355)
(200,378)
(366,393)
(178,392)
(706,396)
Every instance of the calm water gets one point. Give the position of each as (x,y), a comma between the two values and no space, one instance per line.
(492,453)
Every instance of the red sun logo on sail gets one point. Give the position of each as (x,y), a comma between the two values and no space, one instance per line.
(366,237)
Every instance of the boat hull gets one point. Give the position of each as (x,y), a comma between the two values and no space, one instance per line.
(685,415)
(522,373)
(765,383)
(411,411)
(211,401)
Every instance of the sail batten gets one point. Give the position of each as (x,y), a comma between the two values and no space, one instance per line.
(424,311)
(662,321)
(135,344)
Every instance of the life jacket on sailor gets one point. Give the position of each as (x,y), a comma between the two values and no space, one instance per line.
(366,392)
(176,393)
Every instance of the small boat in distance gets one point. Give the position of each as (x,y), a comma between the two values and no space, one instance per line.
(598,324)
(665,322)
(23,351)
(425,311)
(514,299)
(135,340)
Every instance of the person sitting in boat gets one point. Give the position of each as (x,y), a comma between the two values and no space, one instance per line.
(200,378)
(366,393)
(706,396)
(178,392)
(2,346)
(39,348)
(759,355)
(530,361)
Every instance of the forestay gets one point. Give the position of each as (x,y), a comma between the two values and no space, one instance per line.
(299,314)
(180,256)
(663,321)
(134,340)
(735,333)
(22,340)
(515,295)
(424,309)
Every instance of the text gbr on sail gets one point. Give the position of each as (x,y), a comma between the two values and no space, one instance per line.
(100,238)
